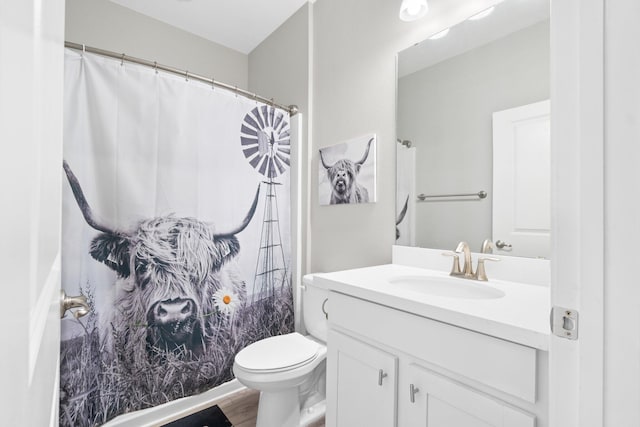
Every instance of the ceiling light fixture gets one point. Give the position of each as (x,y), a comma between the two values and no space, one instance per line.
(482,14)
(412,10)
(439,34)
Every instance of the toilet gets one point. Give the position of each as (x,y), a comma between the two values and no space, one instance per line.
(290,370)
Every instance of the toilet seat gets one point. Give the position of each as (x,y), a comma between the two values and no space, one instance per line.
(278,353)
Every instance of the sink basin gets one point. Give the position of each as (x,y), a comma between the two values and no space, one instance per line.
(449,287)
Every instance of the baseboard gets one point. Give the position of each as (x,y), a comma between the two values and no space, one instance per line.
(171,411)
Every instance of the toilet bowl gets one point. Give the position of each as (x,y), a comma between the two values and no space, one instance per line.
(289,370)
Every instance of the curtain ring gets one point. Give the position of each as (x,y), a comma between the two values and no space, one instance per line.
(236,91)
(122,60)
(84,49)
(186,75)
(272,103)
(155,66)
(213,84)
(255,98)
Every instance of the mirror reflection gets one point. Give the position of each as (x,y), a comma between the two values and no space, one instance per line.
(473,124)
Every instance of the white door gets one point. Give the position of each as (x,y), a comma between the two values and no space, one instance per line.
(31,70)
(521,180)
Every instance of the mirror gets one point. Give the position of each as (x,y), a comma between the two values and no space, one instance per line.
(473,132)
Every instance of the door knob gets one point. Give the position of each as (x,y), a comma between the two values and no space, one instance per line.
(501,245)
(79,302)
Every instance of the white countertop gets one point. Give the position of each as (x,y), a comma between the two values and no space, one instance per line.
(521,316)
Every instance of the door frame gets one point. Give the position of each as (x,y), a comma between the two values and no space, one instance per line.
(576,368)
(31,128)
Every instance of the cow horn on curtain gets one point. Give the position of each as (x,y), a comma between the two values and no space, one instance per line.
(166,234)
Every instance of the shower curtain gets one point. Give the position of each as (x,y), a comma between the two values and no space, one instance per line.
(176,227)
(406,195)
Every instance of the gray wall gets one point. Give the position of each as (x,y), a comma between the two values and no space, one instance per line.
(106,25)
(446,111)
(279,68)
(354,88)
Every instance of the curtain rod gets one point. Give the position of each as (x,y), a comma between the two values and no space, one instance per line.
(292,109)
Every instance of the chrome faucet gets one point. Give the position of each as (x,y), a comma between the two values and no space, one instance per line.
(467,269)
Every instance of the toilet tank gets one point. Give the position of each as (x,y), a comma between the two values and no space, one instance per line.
(314,308)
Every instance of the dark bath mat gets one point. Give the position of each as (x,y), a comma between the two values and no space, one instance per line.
(210,417)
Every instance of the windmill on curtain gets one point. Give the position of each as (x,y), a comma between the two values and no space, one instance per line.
(266,144)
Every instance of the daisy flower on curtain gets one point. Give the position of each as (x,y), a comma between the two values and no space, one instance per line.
(226,301)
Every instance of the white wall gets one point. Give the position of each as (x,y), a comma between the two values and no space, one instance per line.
(106,25)
(446,111)
(622,214)
(354,89)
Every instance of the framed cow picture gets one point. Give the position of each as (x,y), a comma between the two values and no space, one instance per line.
(347,172)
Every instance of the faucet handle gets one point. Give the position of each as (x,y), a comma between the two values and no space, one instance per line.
(462,247)
(455,268)
(487,246)
(481,274)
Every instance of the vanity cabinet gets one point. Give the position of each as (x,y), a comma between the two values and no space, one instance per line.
(388,368)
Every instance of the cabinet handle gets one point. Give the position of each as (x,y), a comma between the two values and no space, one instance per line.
(412,393)
(381,375)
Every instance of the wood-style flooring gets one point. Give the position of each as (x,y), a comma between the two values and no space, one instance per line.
(242,408)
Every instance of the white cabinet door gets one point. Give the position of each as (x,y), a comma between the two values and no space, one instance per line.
(436,401)
(522,180)
(361,384)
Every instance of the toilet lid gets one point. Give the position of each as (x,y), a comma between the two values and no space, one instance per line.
(277,353)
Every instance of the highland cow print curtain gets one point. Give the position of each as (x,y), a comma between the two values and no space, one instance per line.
(176,227)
